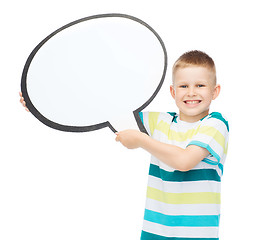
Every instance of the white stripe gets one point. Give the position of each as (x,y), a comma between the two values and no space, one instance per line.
(182,209)
(146,122)
(165,117)
(184,187)
(194,232)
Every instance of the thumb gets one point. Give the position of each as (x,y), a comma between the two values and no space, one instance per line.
(117,137)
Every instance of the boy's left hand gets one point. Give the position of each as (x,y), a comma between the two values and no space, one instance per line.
(23,102)
(131,139)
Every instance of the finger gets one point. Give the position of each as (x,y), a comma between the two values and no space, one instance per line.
(117,138)
(21,99)
(20,94)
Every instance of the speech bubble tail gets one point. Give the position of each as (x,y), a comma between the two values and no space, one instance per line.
(123,122)
(112,128)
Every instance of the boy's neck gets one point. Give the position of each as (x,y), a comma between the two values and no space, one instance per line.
(192,119)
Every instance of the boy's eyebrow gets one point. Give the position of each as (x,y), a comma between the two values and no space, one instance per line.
(181,83)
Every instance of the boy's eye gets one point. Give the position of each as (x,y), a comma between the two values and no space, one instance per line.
(183,86)
(200,85)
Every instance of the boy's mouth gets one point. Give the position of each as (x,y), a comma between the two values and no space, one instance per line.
(192,102)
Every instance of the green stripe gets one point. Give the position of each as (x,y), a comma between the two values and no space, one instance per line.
(184,198)
(178,176)
(151,236)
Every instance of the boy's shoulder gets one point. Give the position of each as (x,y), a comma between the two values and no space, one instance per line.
(216,117)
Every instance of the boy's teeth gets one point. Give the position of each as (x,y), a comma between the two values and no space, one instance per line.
(192,102)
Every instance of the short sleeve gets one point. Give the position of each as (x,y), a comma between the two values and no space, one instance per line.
(149,120)
(213,134)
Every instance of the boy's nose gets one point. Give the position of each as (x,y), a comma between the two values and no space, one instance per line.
(191,91)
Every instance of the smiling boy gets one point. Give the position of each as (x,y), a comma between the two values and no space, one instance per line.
(188,153)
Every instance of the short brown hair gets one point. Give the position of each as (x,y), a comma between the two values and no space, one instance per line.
(195,58)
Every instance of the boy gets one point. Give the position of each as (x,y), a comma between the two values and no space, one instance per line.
(188,152)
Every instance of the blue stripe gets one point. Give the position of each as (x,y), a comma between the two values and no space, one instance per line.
(221,167)
(141,117)
(191,175)
(209,161)
(206,146)
(151,236)
(182,220)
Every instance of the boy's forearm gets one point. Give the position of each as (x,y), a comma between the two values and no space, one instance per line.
(171,155)
(174,156)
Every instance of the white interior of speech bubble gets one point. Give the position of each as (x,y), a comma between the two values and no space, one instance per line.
(95,71)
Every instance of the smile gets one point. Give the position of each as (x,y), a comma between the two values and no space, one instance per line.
(192,101)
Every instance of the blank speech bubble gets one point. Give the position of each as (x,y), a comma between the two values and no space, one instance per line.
(96,72)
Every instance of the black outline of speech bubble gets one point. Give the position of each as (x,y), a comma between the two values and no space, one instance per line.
(66,128)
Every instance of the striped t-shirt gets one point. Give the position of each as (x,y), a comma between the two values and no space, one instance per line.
(185,205)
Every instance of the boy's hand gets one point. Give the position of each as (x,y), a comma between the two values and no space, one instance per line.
(23,102)
(131,139)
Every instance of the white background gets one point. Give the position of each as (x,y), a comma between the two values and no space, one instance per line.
(58,185)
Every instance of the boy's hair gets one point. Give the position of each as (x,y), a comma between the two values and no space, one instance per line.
(195,58)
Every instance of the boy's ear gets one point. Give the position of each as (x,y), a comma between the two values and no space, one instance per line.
(172,91)
(217,90)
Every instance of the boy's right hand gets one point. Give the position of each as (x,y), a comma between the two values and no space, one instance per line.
(23,102)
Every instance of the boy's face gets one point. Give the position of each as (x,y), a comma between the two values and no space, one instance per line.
(193,90)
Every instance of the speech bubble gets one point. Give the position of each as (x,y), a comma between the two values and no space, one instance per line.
(96,72)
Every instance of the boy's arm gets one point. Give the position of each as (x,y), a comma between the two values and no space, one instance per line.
(174,156)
